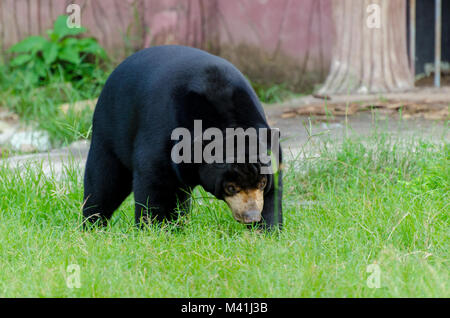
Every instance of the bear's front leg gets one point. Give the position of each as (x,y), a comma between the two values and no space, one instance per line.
(272,214)
(156,202)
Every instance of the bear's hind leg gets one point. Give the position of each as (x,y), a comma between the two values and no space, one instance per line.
(106,184)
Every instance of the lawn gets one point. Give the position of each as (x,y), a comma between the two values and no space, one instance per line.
(376,200)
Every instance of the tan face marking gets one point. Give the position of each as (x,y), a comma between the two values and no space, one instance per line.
(246,201)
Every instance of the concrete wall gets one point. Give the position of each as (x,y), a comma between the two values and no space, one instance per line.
(272,41)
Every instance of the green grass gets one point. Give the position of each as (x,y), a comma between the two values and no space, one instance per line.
(274,93)
(374,201)
(40,106)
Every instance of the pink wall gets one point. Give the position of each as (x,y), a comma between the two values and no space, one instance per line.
(298,28)
(279,36)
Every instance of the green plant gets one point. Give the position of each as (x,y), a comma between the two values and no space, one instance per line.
(271,94)
(62,52)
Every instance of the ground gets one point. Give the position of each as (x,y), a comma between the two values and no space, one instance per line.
(361,123)
(366,215)
(295,131)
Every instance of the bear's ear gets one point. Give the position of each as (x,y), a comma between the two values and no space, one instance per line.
(269,183)
(197,106)
(274,136)
(269,152)
(196,85)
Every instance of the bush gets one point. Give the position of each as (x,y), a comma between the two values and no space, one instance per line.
(63,53)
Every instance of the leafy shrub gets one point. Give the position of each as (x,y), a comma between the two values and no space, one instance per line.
(269,94)
(63,53)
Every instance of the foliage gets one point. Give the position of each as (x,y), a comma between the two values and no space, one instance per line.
(42,106)
(62,67)
(62,52)
(270,94)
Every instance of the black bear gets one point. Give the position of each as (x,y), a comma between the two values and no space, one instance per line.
(148,96)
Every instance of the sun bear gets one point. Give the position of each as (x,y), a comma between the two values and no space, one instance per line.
(145,100)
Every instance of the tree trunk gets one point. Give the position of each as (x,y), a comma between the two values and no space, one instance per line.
(369,57)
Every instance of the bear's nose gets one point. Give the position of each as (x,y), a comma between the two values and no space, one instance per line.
(251,216)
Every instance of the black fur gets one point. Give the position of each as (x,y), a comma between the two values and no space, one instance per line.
(147,96)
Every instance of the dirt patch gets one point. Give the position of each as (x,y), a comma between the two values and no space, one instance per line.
(79,106)
(8,116)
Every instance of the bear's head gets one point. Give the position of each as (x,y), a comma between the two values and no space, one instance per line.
(240,185)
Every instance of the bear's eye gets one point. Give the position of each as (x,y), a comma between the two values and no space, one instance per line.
(231,189)
(262,184)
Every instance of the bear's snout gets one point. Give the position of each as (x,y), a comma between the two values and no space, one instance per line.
(246,205)
(251,216)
